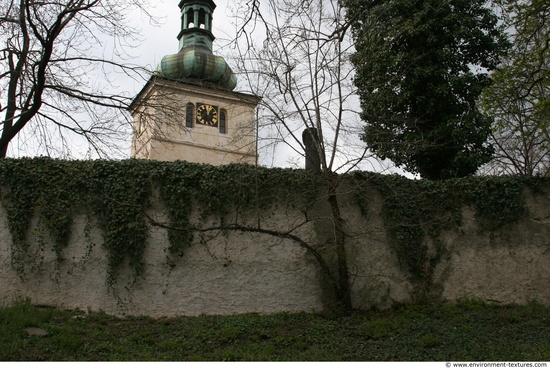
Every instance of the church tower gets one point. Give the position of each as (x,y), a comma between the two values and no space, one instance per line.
(188,109)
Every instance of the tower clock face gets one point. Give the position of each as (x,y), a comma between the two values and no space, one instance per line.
(207,115)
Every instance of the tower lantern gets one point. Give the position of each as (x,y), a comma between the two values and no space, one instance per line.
(196,23)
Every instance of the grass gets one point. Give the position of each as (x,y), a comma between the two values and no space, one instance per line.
(466,331)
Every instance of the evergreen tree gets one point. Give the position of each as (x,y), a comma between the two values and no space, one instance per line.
(420,68)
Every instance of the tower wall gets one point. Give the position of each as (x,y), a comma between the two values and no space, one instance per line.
(161,131)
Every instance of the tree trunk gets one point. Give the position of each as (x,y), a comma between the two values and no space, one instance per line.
(3,150)
(343,292)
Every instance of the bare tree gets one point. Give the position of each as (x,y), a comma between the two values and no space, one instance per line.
(519,97)
(296,57)
(302,72)
(521,133)
(51,94)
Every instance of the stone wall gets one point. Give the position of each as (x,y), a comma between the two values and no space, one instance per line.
(237,272)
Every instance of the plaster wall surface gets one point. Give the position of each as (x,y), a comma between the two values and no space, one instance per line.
(508,266)
(228,275)
(236,272)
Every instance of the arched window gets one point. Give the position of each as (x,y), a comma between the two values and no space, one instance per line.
(202,19)
(190,19)
(140,124)
(223,122)
(189,115)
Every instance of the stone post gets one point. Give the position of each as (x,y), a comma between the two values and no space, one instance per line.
(313,158)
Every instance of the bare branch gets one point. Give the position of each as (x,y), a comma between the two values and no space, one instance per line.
(50,62)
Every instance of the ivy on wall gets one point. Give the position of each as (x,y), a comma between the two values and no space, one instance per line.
(417,210)
(226,193)
(411,210)
(116,193)
(119,194)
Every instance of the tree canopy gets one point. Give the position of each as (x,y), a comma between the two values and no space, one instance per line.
(420,68)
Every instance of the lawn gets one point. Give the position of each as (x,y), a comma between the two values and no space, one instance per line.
(466,331)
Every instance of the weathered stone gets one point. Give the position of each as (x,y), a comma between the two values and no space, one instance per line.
(35,331)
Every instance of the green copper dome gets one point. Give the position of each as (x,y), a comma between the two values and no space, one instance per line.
(195,65)
(195,62)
